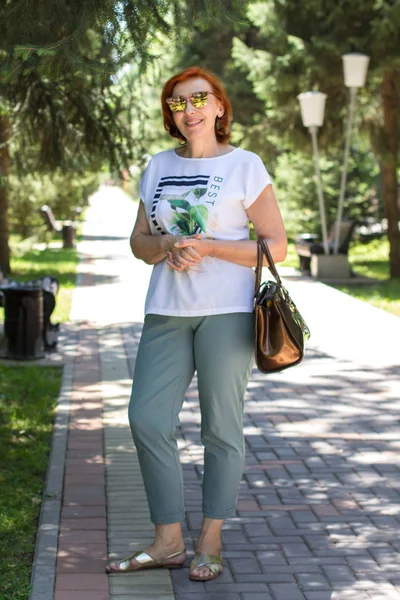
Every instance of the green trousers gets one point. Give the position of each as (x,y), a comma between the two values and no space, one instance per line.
(220,349)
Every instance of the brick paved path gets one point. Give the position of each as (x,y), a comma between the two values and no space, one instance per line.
(318,515)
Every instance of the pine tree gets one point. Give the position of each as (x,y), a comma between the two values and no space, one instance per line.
(60,60)
(209,45)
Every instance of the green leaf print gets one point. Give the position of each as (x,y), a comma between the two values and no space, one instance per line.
(199,215)
(182,221)
(184,204)
(188,219)
(199,192)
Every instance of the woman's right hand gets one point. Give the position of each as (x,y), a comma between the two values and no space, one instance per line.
(182,258)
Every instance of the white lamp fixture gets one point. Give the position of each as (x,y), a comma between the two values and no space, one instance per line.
(312,106)
(355,68)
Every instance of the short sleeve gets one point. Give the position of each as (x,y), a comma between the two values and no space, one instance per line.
(256,179)
(144,182)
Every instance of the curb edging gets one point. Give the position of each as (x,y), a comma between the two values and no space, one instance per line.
(45,555)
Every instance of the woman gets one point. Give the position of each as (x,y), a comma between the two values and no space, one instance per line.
(193,225)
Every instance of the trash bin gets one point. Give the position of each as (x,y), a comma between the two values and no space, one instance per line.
(23,321)
(68,234)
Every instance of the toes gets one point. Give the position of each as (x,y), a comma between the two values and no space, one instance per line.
(201,572)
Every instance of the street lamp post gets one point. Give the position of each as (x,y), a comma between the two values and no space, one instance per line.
(355,73)
(312,105)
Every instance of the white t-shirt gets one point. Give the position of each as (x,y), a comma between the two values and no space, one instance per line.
(185,196)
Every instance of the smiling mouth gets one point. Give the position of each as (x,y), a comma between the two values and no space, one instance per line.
(192,123)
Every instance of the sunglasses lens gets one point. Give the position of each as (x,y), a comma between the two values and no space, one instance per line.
(199,99)
(177,103)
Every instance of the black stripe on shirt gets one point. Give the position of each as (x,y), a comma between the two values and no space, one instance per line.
(185,177)
(185,183)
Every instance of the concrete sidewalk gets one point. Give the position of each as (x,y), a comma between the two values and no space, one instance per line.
(318,514)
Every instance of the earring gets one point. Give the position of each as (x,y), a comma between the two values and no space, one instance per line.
(218,122)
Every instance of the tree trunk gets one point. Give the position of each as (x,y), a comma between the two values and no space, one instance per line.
(4,167)
(391,106)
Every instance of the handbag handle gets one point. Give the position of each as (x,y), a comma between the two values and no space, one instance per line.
(262,249)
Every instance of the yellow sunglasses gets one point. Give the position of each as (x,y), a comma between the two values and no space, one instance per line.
(197,100)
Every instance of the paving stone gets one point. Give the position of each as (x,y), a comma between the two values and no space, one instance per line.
(296,550)
(256,596)
(81,595)
(246,565)
(319,595)
(267,558)
(268,577)
(145,587)
(257,529)
(141,595)
(213,586)
(90,523)
(312,581)
(82,582)
(42,593)
(303,516)
(203,596)
(286,591)
(349,594)
(339,574)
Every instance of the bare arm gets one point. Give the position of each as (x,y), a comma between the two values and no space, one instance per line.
(145,246)
(152,249)
(265,215)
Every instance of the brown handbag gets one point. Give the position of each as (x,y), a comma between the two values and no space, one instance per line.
(281,331)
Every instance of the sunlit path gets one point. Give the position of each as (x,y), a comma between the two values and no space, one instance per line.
(318,514)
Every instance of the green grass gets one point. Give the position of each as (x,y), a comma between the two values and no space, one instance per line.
(27,400)
(58,262)
(28,395)
(372,260)
(369,260)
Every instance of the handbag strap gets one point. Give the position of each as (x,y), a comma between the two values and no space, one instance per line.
(262,249)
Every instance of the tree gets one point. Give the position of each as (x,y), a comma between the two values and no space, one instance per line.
(209,45)
(303,44)
(59,107)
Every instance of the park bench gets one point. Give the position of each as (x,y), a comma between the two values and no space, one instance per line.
(66,228)
(371,229)
(307,244)
(18,320)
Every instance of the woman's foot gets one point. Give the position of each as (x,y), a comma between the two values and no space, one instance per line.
(208,561)
(168,540)
(209,542)
(157,551)
(210,548)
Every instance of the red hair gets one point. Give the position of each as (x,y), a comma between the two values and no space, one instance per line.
(222,124)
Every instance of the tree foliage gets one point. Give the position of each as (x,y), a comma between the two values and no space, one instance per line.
(59,105)
(81,80)
(303,45)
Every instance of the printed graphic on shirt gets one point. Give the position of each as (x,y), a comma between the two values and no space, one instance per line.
(189,214)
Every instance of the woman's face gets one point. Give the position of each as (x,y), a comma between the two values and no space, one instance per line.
(194,123)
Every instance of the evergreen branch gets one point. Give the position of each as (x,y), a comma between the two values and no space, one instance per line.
(50,47)
(7,77)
